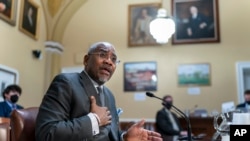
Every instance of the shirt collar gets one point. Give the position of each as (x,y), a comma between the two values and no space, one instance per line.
(94,83)
(247,105)
(166,110)
(9,103)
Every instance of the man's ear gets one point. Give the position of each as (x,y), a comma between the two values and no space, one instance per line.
(85,60)
(5,95)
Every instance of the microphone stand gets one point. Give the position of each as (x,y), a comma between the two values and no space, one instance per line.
(189,138)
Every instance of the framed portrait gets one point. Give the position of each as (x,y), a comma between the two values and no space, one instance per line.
(139,18)
(8,76)
(8,9)
(29,18)
(197,21)
(194,74)
(140,76)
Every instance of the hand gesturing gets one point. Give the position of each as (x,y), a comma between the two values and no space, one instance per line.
(102,112)
(137,133)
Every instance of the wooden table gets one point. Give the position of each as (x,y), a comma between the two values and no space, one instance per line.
(200,125)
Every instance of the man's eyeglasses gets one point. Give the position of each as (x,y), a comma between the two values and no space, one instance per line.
(105,55)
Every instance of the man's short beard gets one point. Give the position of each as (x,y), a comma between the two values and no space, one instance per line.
(103,80)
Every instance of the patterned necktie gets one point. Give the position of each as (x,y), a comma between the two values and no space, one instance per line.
(101,94)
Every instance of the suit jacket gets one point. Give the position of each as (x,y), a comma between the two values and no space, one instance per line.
(5,109)
(243,107)
(63,112)
(194,24)
(164,125)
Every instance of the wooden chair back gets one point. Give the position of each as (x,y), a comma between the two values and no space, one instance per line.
(4,129)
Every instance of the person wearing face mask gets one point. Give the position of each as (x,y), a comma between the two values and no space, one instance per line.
(167,123)
(246,105)
(11,95)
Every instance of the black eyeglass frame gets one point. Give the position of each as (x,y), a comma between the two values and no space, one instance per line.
(105,55)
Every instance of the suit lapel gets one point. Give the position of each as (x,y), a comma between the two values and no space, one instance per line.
(7,109)
(109,102)
(89,87)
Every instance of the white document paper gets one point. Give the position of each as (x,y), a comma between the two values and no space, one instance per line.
(139,96)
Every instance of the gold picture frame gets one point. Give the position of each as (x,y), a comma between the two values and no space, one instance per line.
(30,18)
(8,13)
(140,76)
(198,74)
(197,21)
(141,14)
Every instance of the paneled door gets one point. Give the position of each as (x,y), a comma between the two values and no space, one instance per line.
(243,79)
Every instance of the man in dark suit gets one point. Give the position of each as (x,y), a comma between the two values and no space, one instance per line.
(167,123)
(11,95)
(199,25)
(78,107)
(246,105)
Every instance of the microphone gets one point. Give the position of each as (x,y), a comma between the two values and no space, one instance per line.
(189,138)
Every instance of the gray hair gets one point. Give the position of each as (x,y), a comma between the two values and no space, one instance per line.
(94,46)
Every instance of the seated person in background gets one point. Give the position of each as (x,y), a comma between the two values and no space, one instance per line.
(11,95)
(167,123)
(246,105)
